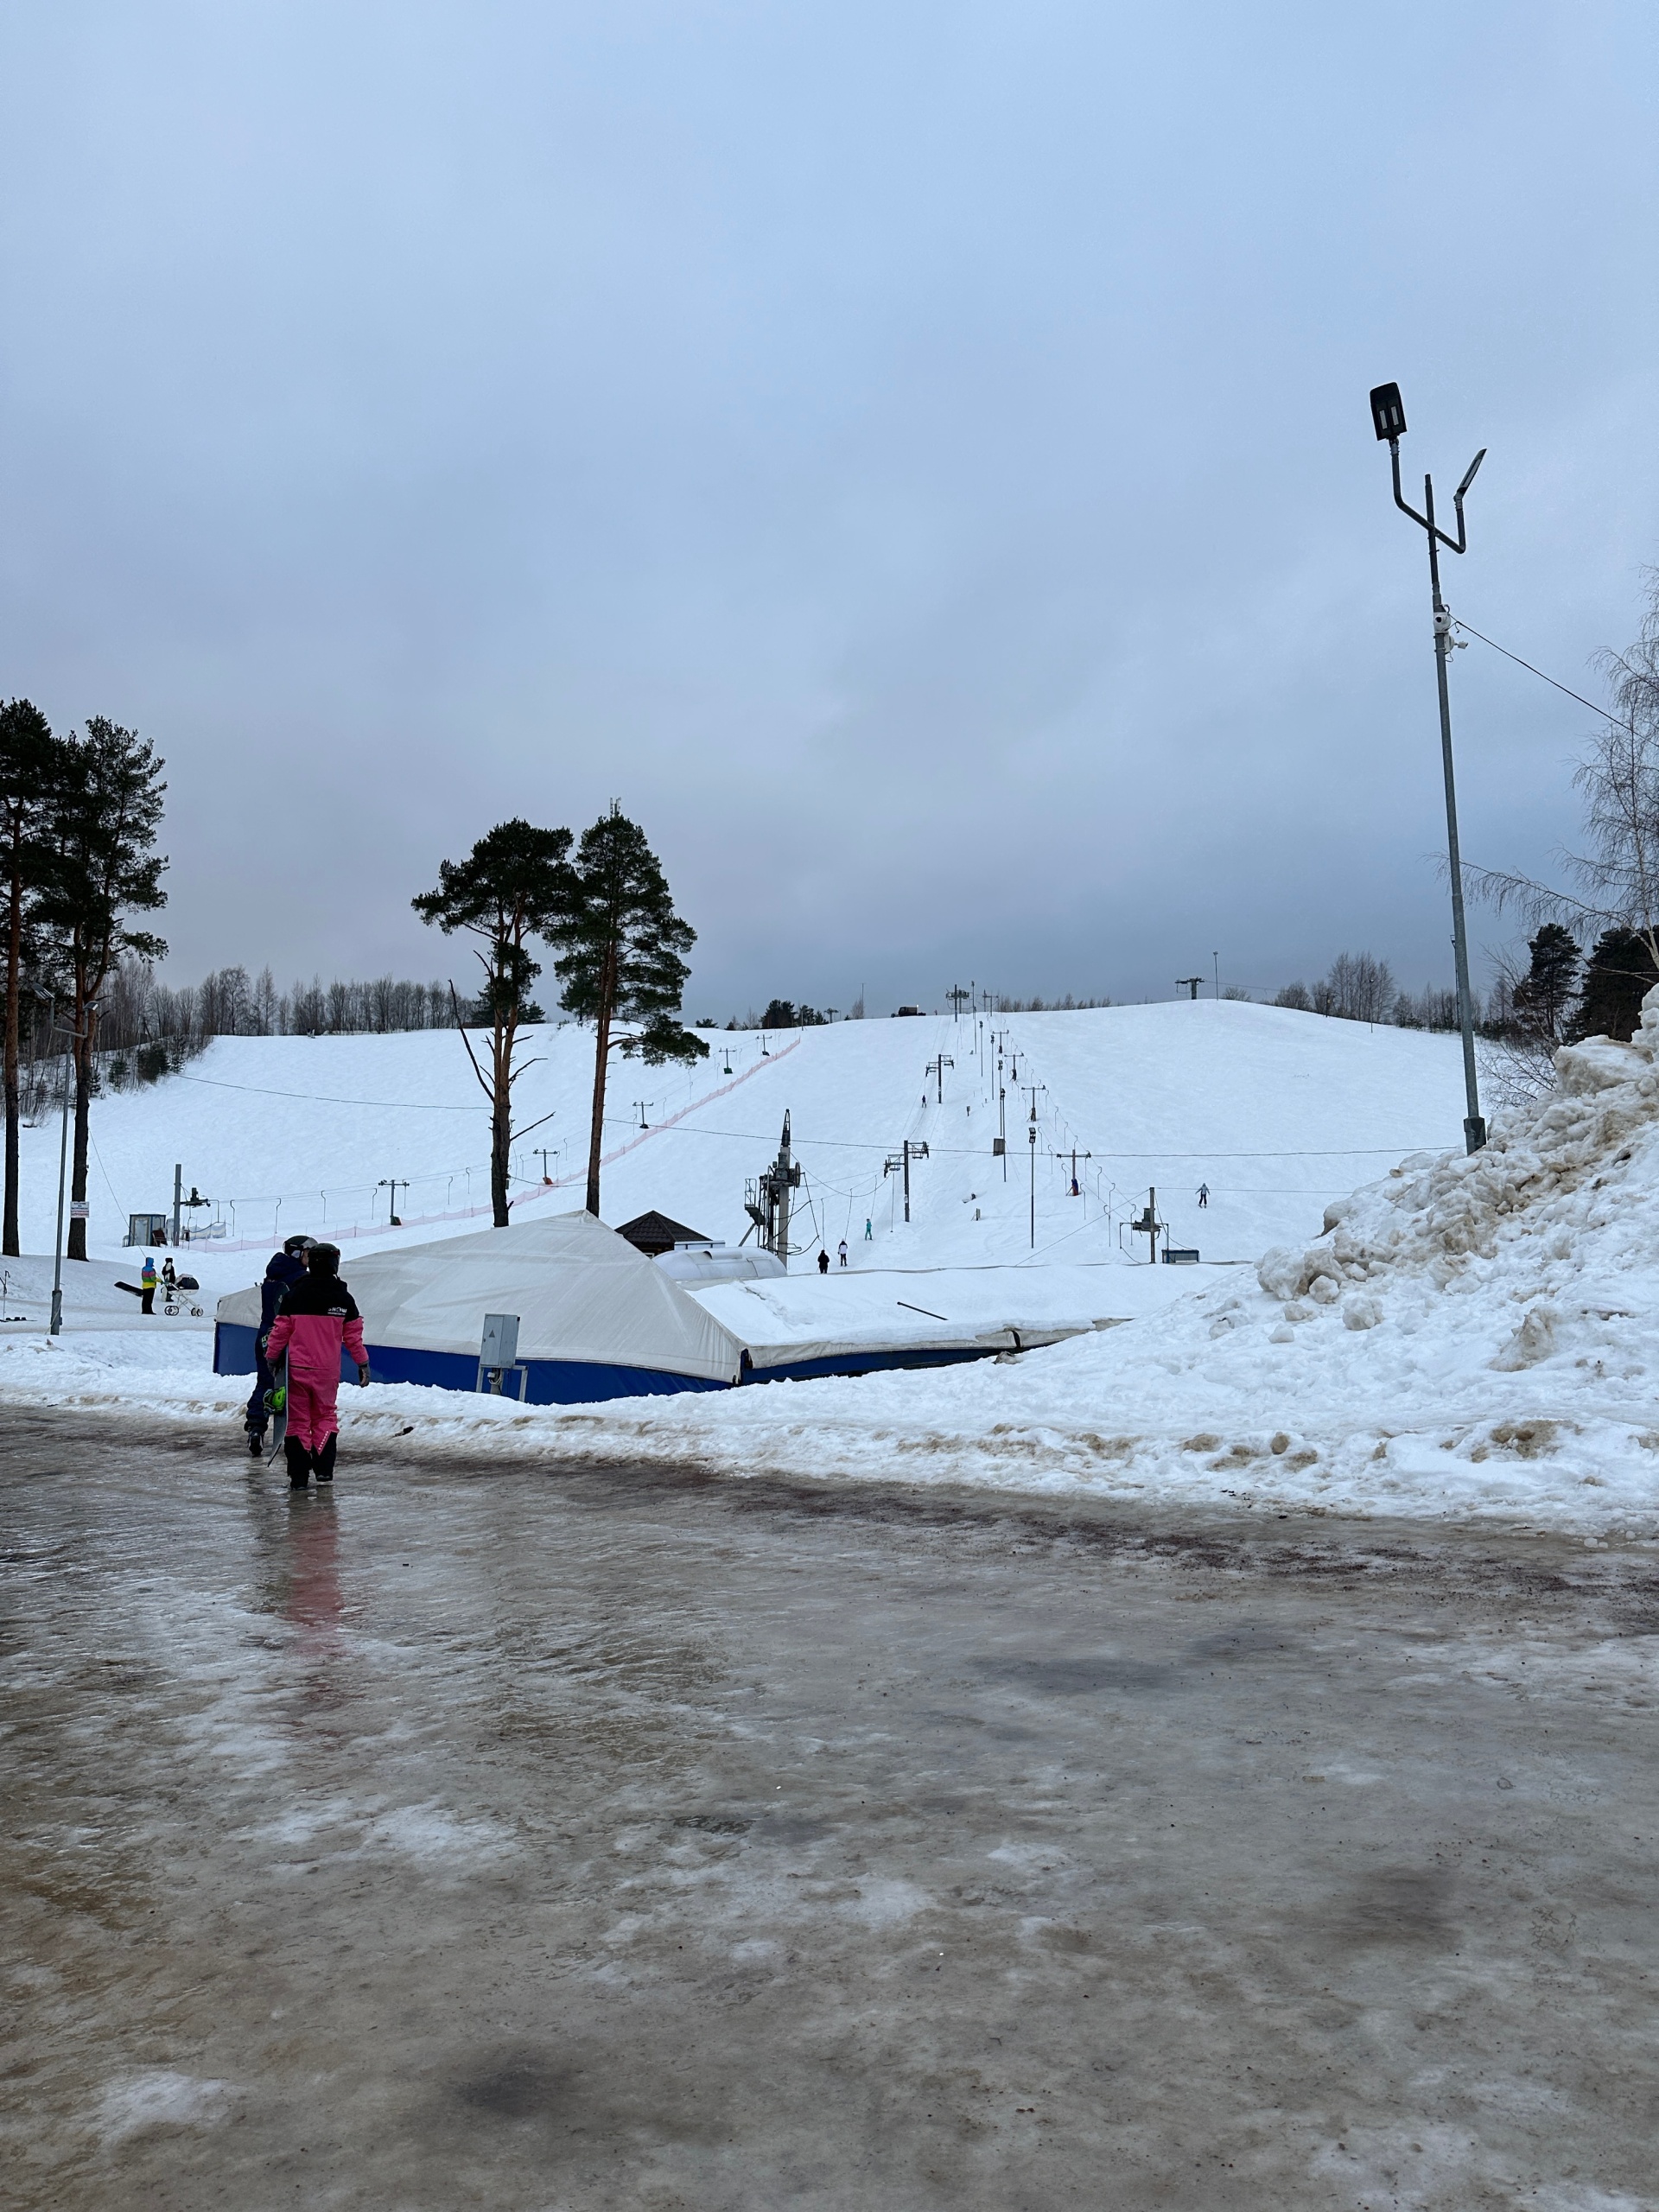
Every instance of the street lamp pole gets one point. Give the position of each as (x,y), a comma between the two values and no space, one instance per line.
(71,1037)
(1388,420)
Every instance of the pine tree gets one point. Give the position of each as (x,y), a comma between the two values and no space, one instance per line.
(1618,976)
(103,813)
(1544,993)
(27,760)
(620,959)
(514,884)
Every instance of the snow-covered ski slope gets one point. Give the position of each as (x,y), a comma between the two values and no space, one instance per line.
(1471,1336)
(1277,1112)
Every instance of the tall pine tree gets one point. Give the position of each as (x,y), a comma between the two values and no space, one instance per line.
(1543,994)
(1617,976)
(512,885)
(102,867)
(621,948)
(29,759)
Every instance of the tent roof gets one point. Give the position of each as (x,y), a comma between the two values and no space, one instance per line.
(580,1292)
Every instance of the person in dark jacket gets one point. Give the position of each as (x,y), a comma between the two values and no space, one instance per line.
(315,1323)
(283,1270)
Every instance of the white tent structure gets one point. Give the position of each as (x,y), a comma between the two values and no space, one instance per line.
(596,1319)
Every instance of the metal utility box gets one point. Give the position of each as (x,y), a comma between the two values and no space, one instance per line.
(1176,1256)
(497,1354)
(500,1346)
(999,1147)
(146,1229)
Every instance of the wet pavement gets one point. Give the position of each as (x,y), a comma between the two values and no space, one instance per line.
(568,1839)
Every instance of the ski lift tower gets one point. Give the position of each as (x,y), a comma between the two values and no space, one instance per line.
(768,1207)
(1189,984)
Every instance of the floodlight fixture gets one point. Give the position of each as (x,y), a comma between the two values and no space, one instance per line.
(1388,412)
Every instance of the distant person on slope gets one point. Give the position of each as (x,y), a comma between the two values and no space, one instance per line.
(1203,1194)
(824,1261)
(843,1251)
(317,1318)
(147,1285)
(283,1270)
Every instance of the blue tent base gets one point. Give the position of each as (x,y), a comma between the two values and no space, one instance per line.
(551,1382)
(586,1383)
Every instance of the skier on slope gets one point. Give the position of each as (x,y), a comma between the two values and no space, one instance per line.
(824,1261)
(314,1322)
(843,1251)
(283,1270)
(1203,1194)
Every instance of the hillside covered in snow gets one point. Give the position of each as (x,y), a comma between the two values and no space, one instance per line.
(1277,1112)
(1462,1336)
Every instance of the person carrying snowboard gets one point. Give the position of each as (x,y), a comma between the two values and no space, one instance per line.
(283,1270)
(147,1285)
(316,1319)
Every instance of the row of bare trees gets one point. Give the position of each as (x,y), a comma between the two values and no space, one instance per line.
(1361,987)
(230,1002)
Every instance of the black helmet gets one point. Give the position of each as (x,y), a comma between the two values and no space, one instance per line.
(297,1244)
(322,1259)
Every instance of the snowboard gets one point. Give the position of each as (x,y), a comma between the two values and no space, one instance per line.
(276,1406)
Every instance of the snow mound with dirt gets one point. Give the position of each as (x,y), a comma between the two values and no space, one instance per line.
(1554,1216)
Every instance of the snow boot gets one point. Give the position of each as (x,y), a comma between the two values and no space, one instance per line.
(256,1443)
(323,1461)
(299,1463)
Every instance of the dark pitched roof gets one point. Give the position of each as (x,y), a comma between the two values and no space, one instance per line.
(651,1233)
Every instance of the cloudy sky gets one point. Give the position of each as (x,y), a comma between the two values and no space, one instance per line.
(916,458)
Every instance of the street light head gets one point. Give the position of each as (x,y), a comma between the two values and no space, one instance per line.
(1469,475)
(1388,412)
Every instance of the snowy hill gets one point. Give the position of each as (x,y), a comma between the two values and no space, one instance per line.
(1277,1112)
(1467,1336)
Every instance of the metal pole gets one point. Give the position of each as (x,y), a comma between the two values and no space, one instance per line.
(1031,1136)
(782,1245)
(1474,1126)
(56,1326)
(178,1196)
(906,1149)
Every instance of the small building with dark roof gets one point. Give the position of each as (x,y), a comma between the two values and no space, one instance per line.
(654,1233)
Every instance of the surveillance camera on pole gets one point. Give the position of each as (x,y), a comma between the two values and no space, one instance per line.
(1389,421)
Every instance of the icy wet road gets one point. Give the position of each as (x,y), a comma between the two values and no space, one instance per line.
(561,1840)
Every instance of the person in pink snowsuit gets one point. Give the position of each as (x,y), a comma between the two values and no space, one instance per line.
(315,1323)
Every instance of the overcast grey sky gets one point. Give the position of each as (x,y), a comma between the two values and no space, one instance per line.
(916,458)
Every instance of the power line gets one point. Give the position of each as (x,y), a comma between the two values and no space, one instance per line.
(1458,623)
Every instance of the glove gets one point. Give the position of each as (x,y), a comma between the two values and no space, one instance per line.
(362,1378)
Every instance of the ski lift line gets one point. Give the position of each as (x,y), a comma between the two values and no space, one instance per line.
(323,1098)
(973,1152)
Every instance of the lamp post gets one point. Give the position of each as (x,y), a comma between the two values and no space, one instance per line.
(72,1038)
(1389,421)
